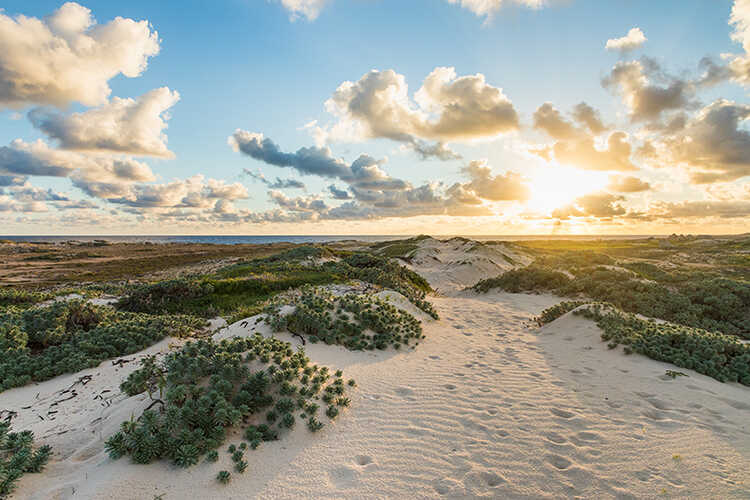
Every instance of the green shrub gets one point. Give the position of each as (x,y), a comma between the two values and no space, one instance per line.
(346,320)
(527,279)
(720,356)
(65,337)
(17,457)
(211,387)
(552,313)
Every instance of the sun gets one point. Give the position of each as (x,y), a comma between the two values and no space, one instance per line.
(555,187)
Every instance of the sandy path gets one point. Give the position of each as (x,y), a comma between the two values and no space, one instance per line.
(486,406)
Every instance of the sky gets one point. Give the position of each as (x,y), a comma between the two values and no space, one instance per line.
(375,117)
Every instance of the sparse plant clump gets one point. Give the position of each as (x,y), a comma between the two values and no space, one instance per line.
(527,279)
(39,343)
(210,387)
(552,313)
(163,296)
(720,356)
(17,457)
(354,321)
(22,298)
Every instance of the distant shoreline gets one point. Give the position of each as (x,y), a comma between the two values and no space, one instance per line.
(265,239)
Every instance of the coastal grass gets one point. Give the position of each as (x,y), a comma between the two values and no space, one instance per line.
(258,384)
(42,342)
(18,457)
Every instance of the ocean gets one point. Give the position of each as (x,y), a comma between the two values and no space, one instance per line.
(234,240)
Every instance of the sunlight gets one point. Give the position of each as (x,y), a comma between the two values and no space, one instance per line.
(555,187)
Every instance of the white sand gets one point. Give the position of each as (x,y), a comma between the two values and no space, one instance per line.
(487,406)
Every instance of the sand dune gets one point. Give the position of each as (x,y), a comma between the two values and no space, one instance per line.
(488,406)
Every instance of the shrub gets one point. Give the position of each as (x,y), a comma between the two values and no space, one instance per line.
(720,356)
(211,387)
(526,279)
(17,457)
(552,313)
(346,320)
(42,342)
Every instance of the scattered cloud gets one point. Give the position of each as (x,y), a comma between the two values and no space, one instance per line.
(633,40)
(446,108)
(128,126)
(309,9)
(279,183)
(627,184)
(67,57)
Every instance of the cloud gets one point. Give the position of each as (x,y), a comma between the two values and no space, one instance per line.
(489,7)
(364,172)
(446,108)
(627,184)
(279,183)
(194,192)
(309,9)
(504,187)
(67,57)
(634,39)
(599,205)
(694,209)
(712,145)
(37,158)
(338,194)
(647,90)
(576,146)
(130,126)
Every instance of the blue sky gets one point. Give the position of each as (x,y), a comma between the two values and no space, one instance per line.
(245,64)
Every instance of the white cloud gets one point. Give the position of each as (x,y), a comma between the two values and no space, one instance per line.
(309,9)
(488,7)
(67,56)
(634,39)
(130,126)
(446,108)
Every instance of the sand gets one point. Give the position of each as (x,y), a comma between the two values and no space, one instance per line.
(488,406)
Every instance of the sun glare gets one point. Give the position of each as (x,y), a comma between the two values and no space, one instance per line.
(553,188)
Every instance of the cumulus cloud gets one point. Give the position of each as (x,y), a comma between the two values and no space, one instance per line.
(510,186)
(364,172)
(279,183)
(446,108)
(713,144)
(627,184)
(489,7)
(37,158)
(67,57)
(194,192)
(598,205)
(338,194)
(129,126)
(647,90)
(729,209)
(576,145)
(309,9)
(634,39)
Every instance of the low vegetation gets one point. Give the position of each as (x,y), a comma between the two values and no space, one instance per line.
(42,342)
(720,356)
(206,388)
(355,321)
(711,303)
(240,290)
(18,457)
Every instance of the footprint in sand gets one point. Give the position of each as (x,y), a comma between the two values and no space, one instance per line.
(404,391)
(558,461)
(450,387)
(555,438)
(561,413)
(362,460)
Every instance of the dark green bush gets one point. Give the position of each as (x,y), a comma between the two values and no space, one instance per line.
(42,342)
(552,313)
(210,387)
(720,356)
(346,320)
(17,457)
(526,279)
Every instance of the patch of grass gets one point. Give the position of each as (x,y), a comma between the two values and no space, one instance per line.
(39,343)
(211,387)
(22,298)
(527,279)
(354,321)
(399,250)
(552,313)
(720,356)
(18,457)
